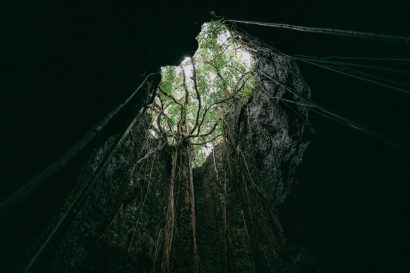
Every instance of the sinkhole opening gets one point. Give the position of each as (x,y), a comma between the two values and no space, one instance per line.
(193,98)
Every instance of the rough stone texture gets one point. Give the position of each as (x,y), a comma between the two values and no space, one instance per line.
(118,195)
(243,182)
(120,227)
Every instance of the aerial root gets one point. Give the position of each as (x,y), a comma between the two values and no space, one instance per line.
(328,31)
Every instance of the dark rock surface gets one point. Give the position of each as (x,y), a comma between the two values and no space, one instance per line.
(120,227)
(66,65)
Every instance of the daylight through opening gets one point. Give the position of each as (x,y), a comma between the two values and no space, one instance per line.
(193,98)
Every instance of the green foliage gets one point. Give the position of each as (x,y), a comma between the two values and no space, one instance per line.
(193,98)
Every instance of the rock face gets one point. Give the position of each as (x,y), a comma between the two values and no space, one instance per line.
(243,182)
(124,225)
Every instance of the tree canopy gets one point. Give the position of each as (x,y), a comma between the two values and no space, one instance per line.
(193,98)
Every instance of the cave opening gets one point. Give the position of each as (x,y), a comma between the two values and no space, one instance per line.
(349,211)
(193,183)
(193,98)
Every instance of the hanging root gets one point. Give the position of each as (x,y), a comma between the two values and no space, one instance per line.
(348,63)
(170,216)
(353,74)
(193,216)
(373,59)
(328,31)
(335,117)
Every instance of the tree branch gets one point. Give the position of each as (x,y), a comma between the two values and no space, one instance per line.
(222,101)
(198,96)
(206,142)
(182,121)
(184,85)
(170,96)
(177,102)
(206,134)
(218,73)
(161,112)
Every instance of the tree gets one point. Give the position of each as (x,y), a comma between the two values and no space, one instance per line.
(189,109)
(193,98)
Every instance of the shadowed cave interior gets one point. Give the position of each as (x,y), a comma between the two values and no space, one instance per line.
(263,197)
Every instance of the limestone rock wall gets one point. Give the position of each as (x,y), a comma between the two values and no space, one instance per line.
(121,226)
